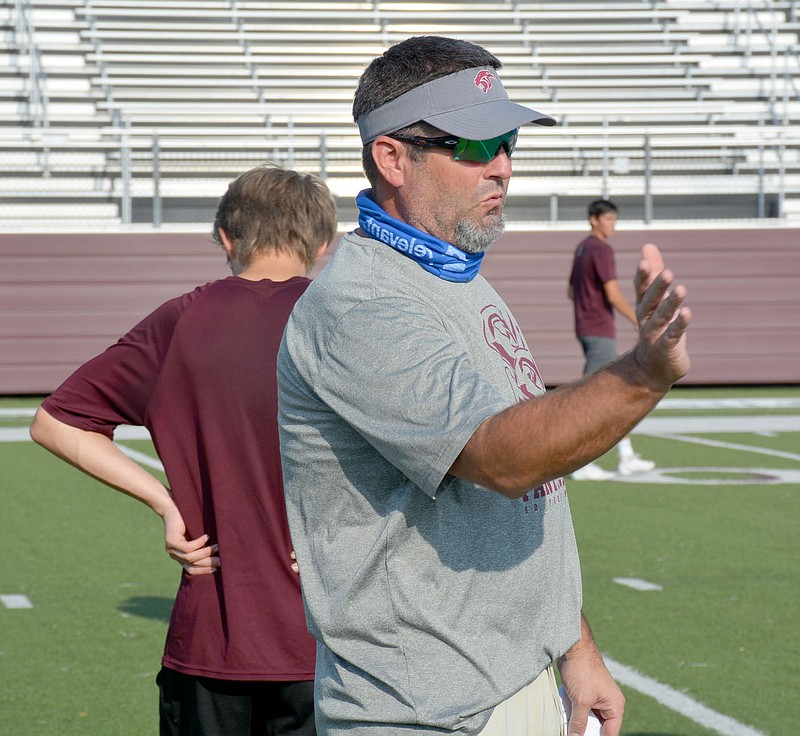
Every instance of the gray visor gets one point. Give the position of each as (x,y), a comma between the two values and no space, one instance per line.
(471,103)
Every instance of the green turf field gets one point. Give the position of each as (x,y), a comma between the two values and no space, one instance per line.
(710,648)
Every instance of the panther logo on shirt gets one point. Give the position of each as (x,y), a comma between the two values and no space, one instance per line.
(504,336)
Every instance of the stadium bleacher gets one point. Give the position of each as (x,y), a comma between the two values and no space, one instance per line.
(116,110)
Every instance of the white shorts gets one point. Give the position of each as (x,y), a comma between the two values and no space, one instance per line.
(536,710)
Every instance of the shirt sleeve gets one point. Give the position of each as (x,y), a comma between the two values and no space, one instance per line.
(114,387)
(395,374)
(604,263)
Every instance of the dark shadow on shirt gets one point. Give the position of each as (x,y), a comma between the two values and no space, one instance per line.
(152,607)
(470,528)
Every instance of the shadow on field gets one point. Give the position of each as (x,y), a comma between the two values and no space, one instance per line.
(148,607)
(653,733)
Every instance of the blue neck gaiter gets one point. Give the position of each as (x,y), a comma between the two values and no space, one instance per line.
(434,255)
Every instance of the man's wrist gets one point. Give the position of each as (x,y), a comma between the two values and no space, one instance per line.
(632,371)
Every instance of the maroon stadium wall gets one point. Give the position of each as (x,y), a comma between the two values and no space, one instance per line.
(65,297)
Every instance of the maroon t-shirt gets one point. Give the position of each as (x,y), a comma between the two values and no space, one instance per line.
(200,374)
(592,267)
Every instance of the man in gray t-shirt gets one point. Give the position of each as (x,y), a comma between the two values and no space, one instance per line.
(422,460)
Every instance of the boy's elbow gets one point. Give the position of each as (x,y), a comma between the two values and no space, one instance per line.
(35,430)
(40,429)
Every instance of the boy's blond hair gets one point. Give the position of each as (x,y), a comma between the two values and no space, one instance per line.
(270,209)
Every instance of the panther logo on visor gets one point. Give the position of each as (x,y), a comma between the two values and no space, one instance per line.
(483,80)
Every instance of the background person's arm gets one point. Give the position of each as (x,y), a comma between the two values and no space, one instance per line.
(618,301)
(98,456)
(551,436)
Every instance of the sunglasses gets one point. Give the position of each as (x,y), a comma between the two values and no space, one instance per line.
(465,149)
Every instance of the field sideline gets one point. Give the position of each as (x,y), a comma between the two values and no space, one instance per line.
(690,577)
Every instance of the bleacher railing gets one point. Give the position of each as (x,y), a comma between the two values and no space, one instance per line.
(130,165)
(752,23)
(36,87)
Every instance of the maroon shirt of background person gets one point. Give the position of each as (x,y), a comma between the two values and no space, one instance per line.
(200,374)
(592,266)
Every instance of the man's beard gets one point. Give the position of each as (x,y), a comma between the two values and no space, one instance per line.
(472,238)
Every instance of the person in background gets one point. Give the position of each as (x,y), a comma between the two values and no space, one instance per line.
(595,293)
(199,373)
(423,461)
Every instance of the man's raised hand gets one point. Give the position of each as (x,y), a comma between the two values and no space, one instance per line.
(661,351)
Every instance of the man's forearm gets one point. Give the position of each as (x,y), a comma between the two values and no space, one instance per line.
(585,645)
(548,437)
(589,686)
(551,436)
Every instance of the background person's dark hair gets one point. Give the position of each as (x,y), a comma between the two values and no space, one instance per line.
(273,209)
(406,66)
(600,207)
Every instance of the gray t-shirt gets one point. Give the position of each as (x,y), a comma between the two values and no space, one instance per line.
(432,599)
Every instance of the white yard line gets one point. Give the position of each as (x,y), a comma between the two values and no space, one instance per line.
(20,412)
(141,457)
(637,584)
(761,402)
(723,425)
(679,702)
(16,600)
(727,445)
(14,434)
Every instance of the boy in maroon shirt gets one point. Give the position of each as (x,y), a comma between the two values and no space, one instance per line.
(200,374)
(596,294)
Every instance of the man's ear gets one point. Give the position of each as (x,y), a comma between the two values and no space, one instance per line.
(391,158)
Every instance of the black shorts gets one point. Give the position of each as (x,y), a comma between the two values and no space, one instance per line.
(202,706)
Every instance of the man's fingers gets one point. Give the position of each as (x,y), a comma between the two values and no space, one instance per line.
(672,312)
(664,328)
(652,254)
(611,724)
(650,266)
(577,720)
(681,321)
(668,308)
(653,295)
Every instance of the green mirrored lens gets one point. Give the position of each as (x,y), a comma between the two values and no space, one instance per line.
(484,151)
